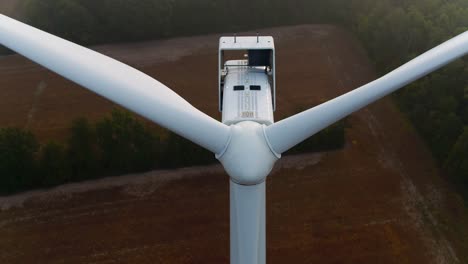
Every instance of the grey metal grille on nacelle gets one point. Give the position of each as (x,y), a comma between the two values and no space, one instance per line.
(255,87)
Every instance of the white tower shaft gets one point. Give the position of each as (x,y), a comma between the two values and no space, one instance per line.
(247,223)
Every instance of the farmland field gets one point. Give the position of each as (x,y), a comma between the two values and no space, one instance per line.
(8,7)
(381,199)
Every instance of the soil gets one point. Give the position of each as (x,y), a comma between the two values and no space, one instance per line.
(9,7)
(381,199)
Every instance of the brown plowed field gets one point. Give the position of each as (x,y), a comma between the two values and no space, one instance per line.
(381,199)
(9,7)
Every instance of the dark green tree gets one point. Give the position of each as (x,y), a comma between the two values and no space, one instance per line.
(81,151)
(125,144)
(18,149)
(179,152)
(65,18)
(457,161)
(53,165)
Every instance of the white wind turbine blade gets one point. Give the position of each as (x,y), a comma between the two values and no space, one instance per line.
(116,81)
(289,132)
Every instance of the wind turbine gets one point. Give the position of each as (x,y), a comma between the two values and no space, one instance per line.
(248,142)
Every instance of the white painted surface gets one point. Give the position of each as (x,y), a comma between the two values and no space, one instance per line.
(246,42)
(247,223)
(246,105)
(248,159)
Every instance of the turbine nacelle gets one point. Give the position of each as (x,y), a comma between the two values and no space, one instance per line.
(248,157)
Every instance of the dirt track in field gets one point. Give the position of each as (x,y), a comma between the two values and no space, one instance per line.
(379,200)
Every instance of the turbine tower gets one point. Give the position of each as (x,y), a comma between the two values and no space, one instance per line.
(247,142)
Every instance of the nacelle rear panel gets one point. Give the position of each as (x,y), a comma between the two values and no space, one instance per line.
(256,53)
(246,94)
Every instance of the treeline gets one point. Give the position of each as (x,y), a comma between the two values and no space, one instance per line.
(394,32)
(115,145)
(90,21)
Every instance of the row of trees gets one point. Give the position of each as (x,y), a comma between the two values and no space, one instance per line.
(90,22)
(115,145)
(396,31)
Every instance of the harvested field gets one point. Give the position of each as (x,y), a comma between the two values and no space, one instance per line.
(9,7)
(381,199)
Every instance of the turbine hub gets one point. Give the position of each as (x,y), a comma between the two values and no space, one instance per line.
(248,158)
